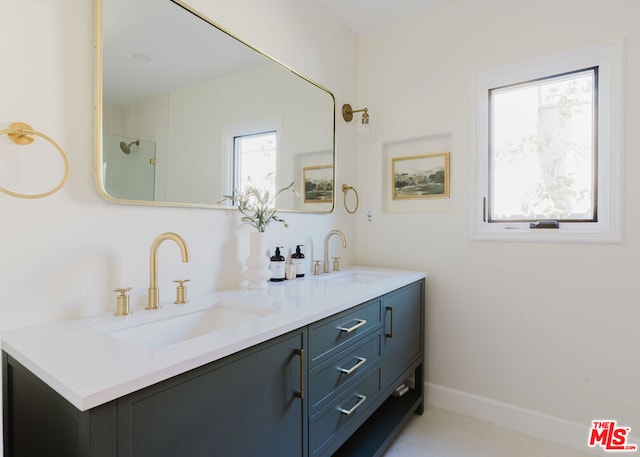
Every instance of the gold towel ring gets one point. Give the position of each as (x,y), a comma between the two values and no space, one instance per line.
(345,189)
(21,133)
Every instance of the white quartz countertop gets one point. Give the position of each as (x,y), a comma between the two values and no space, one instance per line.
(82,361)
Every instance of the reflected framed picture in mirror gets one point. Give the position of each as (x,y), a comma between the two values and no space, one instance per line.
(318,184)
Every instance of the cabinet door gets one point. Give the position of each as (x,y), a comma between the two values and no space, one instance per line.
(248,406)
(402,338)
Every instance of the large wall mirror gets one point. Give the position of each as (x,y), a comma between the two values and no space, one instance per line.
(187,113)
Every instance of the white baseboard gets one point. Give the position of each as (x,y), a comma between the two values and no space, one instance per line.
(533,423)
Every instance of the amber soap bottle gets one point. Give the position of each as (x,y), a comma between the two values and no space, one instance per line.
(277,266)
(297,259)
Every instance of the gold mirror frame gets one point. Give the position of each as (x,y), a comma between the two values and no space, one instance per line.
(99,165)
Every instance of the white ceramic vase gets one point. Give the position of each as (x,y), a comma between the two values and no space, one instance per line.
(257,272)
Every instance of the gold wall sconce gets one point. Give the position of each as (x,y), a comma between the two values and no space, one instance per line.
(347,113)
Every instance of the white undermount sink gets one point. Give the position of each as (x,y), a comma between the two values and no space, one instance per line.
(172,329)
(355,277)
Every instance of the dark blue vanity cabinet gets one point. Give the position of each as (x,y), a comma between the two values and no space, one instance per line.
(250,403)
(37,421)
(247,405)
(376,415)
(344,373)
(403,332)
(325,389)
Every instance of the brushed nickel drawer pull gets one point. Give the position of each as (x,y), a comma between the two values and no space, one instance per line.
(360,323)
(361,361)
(348,412)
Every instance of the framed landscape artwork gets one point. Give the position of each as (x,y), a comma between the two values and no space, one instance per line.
(420,176)
(318,184)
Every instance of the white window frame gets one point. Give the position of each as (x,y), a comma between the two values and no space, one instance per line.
(608,57)
(237,160)
(229,133)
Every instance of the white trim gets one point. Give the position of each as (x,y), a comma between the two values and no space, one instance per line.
(533,423)
(609,57)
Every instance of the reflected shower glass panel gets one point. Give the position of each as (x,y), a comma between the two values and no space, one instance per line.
(133,163)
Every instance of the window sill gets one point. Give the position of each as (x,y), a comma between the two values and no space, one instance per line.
(595,235)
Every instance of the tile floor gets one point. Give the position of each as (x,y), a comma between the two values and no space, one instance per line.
(440,433)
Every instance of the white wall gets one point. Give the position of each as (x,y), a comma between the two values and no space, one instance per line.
(551,328)
(64,255)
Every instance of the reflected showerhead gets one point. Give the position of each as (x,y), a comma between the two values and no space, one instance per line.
(126,148)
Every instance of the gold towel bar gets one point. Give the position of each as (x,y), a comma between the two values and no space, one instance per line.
(21,133)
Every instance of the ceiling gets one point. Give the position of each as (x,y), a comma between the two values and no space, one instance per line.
(363,16)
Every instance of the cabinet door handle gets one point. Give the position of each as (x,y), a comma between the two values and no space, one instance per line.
(390,333)
(300,393)
(348,412)
(360,323)
(361,361)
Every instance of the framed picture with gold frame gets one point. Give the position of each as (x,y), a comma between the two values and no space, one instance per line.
(318,184)
(420,176)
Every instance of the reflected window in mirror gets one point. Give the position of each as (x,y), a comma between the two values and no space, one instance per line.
(254,161)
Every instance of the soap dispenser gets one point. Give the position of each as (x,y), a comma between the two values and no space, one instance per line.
(277,266)
(297,259)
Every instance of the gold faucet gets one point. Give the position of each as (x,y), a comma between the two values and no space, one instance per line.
(325,268)
(153,264)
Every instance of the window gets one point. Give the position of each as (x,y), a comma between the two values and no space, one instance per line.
(547,149)
(542,155)
(254,161)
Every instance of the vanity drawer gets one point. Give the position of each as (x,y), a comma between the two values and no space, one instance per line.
(343,368)
(334,333)
(343,411)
